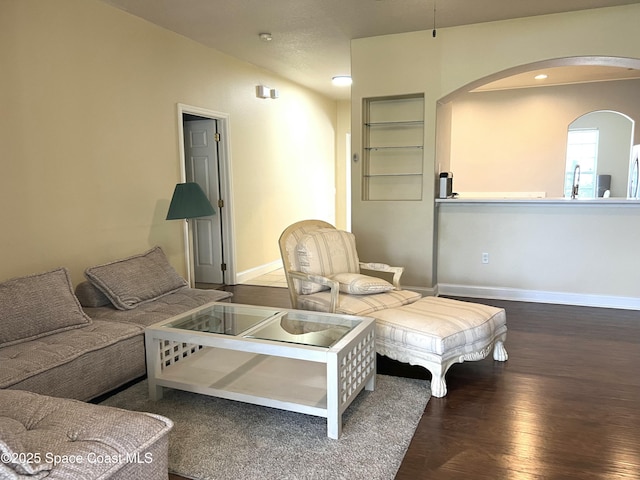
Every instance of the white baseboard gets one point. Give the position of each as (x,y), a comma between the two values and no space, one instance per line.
(539,296)
(424,291)
(252,273)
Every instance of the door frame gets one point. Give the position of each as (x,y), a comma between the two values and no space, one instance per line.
(224,151)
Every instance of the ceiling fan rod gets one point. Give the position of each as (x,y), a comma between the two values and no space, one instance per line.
(434,19)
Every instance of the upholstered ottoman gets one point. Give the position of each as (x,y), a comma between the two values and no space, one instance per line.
(50,437)
(437,332)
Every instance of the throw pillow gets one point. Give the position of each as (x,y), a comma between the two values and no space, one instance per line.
(136,280)
(38,305)
(358,284)
(325,252)
(90,296)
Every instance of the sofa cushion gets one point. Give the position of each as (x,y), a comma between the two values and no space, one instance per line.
(325,252)
(38,305)
(165,307)
(17,459)
(25,360)
(358,284)
(61,438)
(136,280)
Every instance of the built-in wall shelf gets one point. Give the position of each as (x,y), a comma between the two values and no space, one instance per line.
(400,123)
(393,145)
(393,174)
(398,146)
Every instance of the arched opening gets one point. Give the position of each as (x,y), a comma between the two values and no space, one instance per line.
(505,135)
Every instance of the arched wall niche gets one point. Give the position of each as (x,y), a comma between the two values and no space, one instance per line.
(488,152)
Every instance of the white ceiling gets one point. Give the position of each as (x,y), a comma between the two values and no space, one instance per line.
(311,38)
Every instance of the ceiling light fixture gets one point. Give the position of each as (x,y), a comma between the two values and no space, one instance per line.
(542,76)
(265,37)
(342,80)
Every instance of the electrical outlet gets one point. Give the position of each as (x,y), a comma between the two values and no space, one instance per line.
(485,257)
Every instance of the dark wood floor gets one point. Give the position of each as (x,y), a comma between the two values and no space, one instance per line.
(566,405)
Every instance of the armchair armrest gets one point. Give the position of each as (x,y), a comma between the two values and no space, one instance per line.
(383,267)
(333,285)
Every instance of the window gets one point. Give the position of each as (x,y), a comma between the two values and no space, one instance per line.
(582,150)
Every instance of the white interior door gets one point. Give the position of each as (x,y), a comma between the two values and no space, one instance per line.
(202,166)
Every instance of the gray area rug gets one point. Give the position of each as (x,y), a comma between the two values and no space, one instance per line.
(222,439)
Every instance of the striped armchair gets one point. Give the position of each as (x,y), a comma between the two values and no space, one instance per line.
(324,273)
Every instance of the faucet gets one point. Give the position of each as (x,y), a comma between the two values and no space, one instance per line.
(576,182)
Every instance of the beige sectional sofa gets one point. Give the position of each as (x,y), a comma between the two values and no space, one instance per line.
(80,344)
(62,439)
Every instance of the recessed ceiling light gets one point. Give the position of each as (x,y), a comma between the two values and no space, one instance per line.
(542,76)
(342,80)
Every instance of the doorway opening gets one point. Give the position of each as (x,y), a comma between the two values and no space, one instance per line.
(204,159)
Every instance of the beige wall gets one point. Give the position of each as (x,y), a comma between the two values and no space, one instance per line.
(343,155)
(515,140)
(580,250)
(416,62)
(89,137)
(398,232)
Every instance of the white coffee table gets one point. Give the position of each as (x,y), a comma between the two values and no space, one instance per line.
(307,362)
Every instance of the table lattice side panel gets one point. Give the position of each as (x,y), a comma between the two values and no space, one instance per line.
(355,365)
(172,352)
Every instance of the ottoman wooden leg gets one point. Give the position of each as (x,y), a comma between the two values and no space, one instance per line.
(499,352)
(438,383)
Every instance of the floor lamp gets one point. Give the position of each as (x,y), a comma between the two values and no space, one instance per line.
(189,201)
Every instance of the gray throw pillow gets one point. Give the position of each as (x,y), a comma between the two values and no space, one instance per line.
(136,280)
(38,305)
(90,296)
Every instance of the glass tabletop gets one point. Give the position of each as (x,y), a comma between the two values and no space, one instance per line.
(225,319)
(304,328)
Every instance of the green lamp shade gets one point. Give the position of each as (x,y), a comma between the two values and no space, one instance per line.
(189,201)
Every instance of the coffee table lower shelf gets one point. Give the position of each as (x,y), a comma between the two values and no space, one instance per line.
(278,382)
(312,387)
